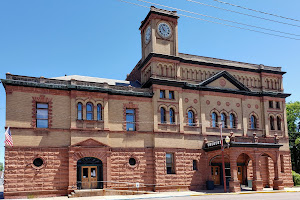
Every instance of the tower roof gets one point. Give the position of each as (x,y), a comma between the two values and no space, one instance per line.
(158,11)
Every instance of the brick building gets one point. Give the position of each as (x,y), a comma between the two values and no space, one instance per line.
(160,127)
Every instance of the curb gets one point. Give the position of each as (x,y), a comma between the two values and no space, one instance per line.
(206,194)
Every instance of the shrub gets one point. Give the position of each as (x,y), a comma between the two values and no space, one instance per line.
(296,178)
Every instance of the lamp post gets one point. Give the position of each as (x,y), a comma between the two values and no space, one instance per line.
(227,140)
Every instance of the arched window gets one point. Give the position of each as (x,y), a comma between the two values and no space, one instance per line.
(79,111)
(253,122)
(278,123)
(99,112)
(89,111)
(224,120)
(232,121)
(214,119)
(162,115)
(191,118)
(272,126)
(172,116)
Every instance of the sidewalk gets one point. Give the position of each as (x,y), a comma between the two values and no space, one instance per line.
(218,191)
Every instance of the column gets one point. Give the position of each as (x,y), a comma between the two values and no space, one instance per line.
(278,182)
(105,114)
(257,184)
(234,184)
(181,112)
(72,173)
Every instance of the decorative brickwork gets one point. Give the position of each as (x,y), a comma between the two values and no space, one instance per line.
(41,99)
(130,105)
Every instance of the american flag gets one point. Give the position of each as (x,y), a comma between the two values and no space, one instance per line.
(8,138)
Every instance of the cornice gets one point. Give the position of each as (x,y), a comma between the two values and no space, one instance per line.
(180,59)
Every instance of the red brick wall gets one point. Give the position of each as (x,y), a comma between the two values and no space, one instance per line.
(24,180)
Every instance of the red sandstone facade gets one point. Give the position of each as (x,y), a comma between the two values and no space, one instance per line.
(170,143)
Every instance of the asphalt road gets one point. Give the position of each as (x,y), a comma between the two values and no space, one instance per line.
(261,196)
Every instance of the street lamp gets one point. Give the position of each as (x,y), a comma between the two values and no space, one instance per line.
(227,140)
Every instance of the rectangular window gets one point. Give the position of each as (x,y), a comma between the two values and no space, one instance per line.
(171,95)
(170,163)
(270,104)
(162,94)
(42,115)
(195,165)
(277,104)
(130,119)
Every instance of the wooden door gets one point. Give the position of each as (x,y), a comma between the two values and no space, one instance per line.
(240,174)
(215,172)
(89,177)
(93,177)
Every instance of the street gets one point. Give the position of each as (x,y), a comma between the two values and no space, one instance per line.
(260,196)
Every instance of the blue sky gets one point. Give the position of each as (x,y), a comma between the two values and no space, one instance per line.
(100,38)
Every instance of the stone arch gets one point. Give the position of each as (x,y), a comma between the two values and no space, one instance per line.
(217,118)
(159,66)
(191,74)
(267,162)
(216,111)
(87,166)
(191,108)
(174,107)
(216,156)
(235,117)
(161,118)
(270,118)
(78,153)
(244,167)
(257,119)
(270,154)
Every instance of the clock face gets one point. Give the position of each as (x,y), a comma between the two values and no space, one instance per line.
(164,30)
(148,35)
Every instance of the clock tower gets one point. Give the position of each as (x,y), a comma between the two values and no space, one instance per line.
(159,33)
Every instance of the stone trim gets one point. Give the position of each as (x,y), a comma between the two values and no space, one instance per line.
(41,99)
(130,105)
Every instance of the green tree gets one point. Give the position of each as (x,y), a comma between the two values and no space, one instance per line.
(1,166)
(293,120)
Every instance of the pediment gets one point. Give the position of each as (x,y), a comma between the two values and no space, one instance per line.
(224,80)
(90,143)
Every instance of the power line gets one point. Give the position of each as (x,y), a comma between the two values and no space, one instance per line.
(262,12)
(213,21)
(243,13)
(240,27)
(221,19)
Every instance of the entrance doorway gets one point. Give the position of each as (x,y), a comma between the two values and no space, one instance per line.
(217,170)
(240,174)
(89,173)
(215,173)
(89,177)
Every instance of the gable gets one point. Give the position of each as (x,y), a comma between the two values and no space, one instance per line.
(224,80)
(90,143)
(222,83)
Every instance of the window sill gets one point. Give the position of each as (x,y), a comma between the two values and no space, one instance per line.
(187,126)
(167,99)
(90,124)
(84,120)
(167,124)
